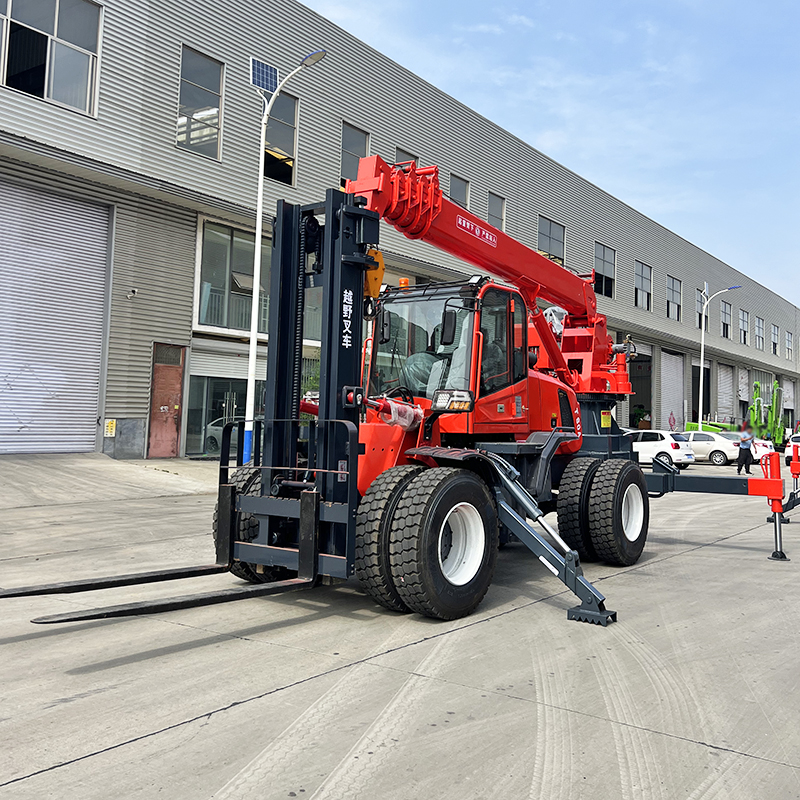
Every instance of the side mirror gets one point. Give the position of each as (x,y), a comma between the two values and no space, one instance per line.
(448,327)
(383,324)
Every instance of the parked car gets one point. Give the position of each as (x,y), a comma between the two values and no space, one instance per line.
(793,440)
(214,433)
(713,447)
(760,446)
(667,446)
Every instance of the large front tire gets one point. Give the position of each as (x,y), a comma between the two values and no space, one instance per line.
(248,481)
(372,535)
(443,543)
(619,512)
(573,505)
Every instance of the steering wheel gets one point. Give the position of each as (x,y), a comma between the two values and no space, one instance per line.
(402,392)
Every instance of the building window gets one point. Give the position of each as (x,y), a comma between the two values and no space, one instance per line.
(52,50)
(279,153)
(403,156)
(759,333)
(354,147)
(605,259)
(744,326)
(789,346)
(551,240)
(700,300)
(497,211)
(459,191)
(776,340)
(226,278)
(725,319)
(673,298)
(199,109)
(643,286)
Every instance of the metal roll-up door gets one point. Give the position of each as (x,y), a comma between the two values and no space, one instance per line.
(53,264)
(744,384)
(725,399)
(671,391)
(765,380)
(788,393)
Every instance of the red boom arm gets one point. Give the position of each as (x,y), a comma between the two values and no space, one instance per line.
(410,199)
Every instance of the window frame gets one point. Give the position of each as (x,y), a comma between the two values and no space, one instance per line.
(222,77)
(92,95)
(293,183)
(398,150)
(465,206)
(613,276)
(788,344)
(560,260)
(775,340)
(489,215)
(722,323)
(649,306)
(744,333)
(762,335)
(679,304)
(344,122)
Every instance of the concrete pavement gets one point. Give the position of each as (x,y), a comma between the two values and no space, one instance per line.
(692,694)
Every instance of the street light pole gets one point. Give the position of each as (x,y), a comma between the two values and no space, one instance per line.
(255,308)
(704,293)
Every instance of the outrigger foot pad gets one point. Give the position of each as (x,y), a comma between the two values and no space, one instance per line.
(597,616)
(784,520)
(779,555)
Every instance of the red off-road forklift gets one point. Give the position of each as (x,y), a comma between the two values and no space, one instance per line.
(461,417)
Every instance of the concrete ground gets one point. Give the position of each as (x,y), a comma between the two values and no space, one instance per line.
(692,694)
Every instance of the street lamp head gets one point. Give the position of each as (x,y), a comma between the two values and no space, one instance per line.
(313,58)
(732,287)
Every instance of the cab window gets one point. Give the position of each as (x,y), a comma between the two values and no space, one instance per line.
(505,340)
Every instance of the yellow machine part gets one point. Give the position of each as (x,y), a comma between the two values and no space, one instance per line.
(373,277)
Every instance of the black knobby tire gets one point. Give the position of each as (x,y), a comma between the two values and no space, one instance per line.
(372,535)
(573,505)
(718,458)
(619,512)
(445,520)
(248,481)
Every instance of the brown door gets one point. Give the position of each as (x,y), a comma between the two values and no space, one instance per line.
(165,402)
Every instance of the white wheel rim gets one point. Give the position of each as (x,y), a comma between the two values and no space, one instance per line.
(461,547)
(632,512)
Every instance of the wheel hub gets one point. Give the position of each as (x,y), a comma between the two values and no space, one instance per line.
(461,544)
(632,512)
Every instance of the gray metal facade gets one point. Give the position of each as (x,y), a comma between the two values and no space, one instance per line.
(127,156)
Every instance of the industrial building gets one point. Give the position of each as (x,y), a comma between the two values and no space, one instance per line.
(128,161)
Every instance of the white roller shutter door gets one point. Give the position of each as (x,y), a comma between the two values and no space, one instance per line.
(671,391)
(788,393)
(53,263)
(744,385)
(725,398)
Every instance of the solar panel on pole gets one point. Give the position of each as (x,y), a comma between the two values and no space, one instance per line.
(263,76)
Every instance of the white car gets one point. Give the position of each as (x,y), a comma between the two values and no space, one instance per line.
(760,446)
(667,446)
(713,447)
(793,440)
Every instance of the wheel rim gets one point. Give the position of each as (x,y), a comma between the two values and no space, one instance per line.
(632,512)
(212,445)
(461,544)
(717,458)
(664,457)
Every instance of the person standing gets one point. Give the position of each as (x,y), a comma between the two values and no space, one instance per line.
(745,458)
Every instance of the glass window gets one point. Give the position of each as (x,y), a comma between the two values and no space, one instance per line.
(497,211)
(789,346)
(759,333)
(459,191)
(605,259)
(354,147)
(56,62)
(699,303)
(643,286)
(3,7)
(673,298)
(200,101)
(402,156)
(702,437)
(279,156)
(776,340)
(725,319)
(226,278)
(744,326)
(649,436)
(551,239)
(496,370)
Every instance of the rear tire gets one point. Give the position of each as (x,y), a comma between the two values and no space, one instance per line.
(573,506)
(619,512)
(665,458)
(443,543)
(248,481)
(718,458)
(372,535)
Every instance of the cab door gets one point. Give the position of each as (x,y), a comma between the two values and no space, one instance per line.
(502,375)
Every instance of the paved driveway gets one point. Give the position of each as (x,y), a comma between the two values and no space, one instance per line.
(693,694)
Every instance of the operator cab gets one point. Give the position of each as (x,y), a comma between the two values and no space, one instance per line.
(455,336)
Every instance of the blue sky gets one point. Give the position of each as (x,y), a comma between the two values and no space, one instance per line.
(688,111)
